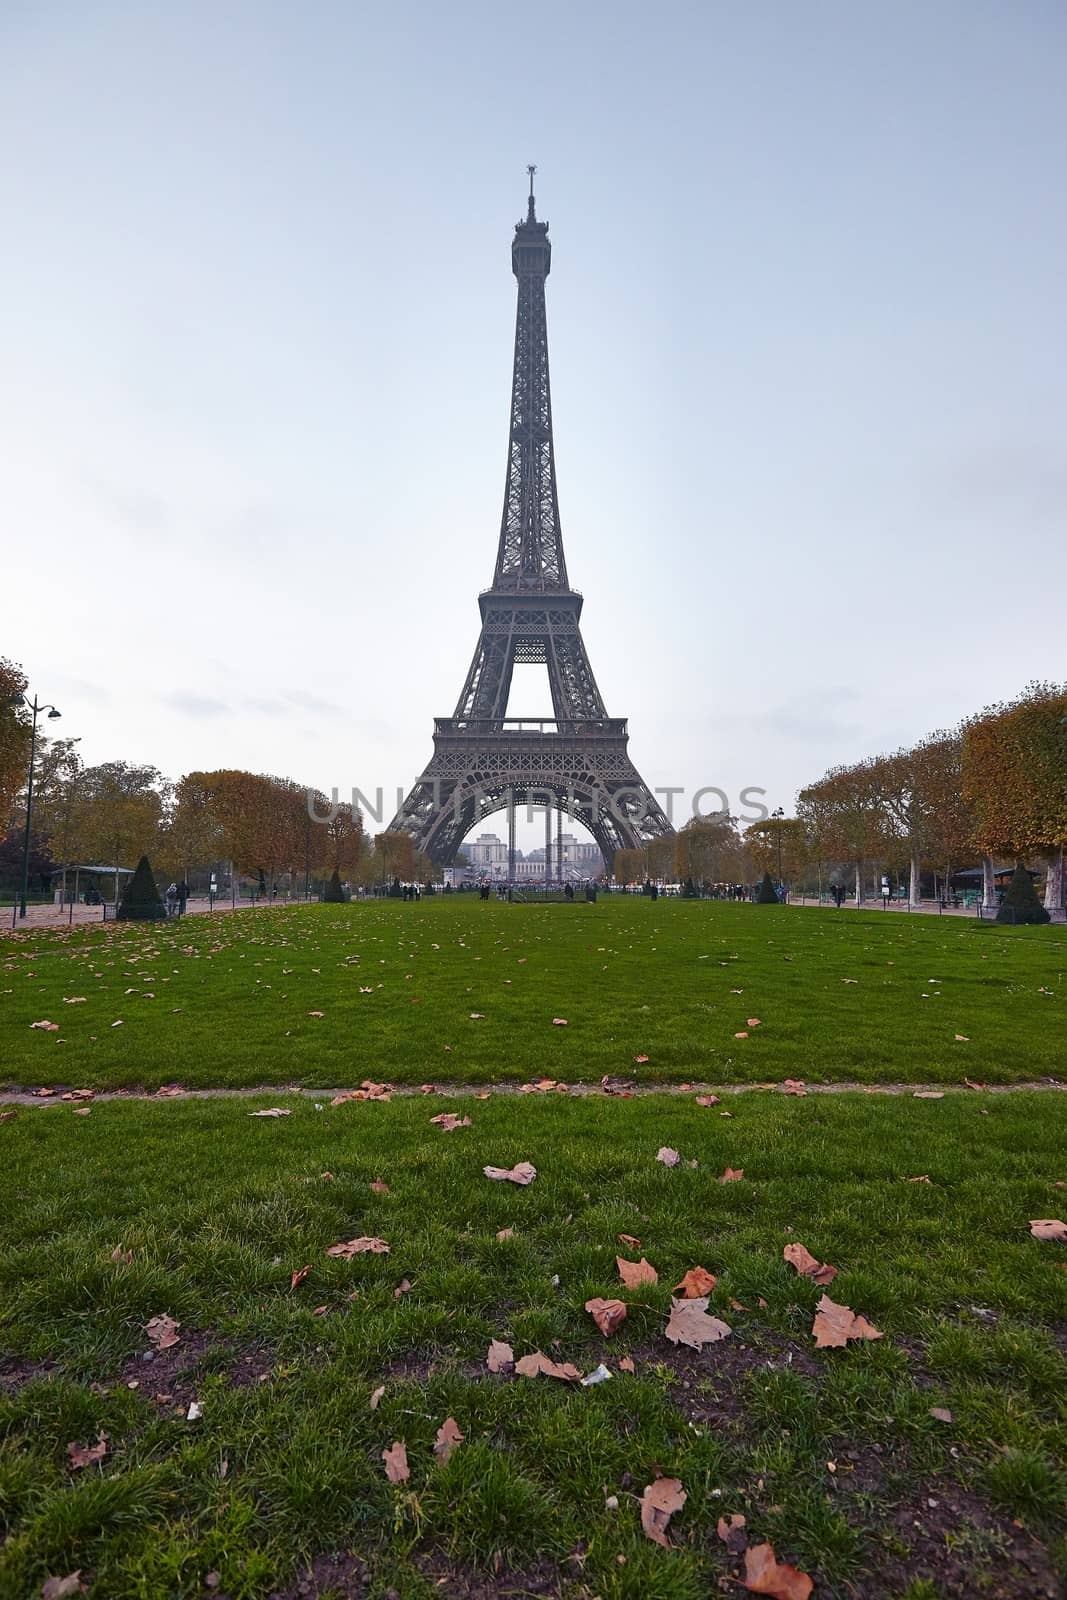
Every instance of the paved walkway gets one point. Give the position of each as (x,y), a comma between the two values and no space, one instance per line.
(50,916)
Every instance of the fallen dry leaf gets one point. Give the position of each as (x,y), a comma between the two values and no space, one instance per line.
(707,1100)
(505,1233)
(635,1273)
(522,1174)
(378,1187)
(273,1111)
(500,1357)
(806,1264)
(299,1275)
(753,1022)
(630,1239)
(396,1462)
(538,1364)
(941,1413)
(376,1396)
(669,1157)
(316,1013)
(74,1000)
(764,1574)
(731,1531)
(448,1437)
(607,1314)
(741,1035)
(834,1325)
(626,1365)
(696,1282)
(402,1288)
(690,1324)
(121,1257)
(559,1022)
(359,1247)
(640,1060)
(449,1121)
(794,1086)
(922,1178)
(732,1175)
(970,1083)
(60,1588)
(927,1094)
(84,1455)
(660,1501)
(162,1331)
(963,1038)
(46,1026)
(1050,1228)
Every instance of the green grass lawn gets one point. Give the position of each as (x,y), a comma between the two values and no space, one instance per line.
(832,1455)
(231,1000)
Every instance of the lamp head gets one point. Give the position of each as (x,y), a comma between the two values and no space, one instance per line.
(53,714)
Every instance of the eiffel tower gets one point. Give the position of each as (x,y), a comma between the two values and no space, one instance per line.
(575,761)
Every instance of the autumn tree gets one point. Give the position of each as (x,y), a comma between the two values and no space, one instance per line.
(660,859)
(1014,773)
(394,855)
(709,850)
(629,866)
(762,842)
(194,834)
(14,738)
(921,794)
(121,812)
(844,812)
(345,839)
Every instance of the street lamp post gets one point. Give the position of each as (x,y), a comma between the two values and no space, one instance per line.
(36,708)
(778,815)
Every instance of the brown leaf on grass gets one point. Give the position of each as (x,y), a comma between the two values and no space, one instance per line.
(835,1325)
(732,1175)
(376,1397)
(626,1364)
(640,1060)
(449,1121)
(378,1187)
(635,1273)
(501,1356)
(79,1094)
(46,1026)
(559,1022)
(448,1437)
(696,1282)
(539,1365)
(427,1088)
(522,1174)
(359,1247)
(731,1531)
(84,1455)
(170,1091)
(299,1275)
(707,1100)
(316,1013)
(941,1413)
(402,1288)
(629,1238)
(741,1035)
(669,1157)
(660,1501)
(963,1038)
(477,1016)
(765,1574)
(8,1116)
(396,1462)
(163,1331)
(970,1083)
(922,1178)
(927,1094)
(74,1000)
(121,1257)
(1050,1228)
(505,1233)
(607,1314)
(753,1022)
(60,1588)
(794,1086)
(272,1111)
(690,1324)
(806,1264)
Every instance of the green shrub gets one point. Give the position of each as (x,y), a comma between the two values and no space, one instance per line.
(333,894)
(1020,903)
(767,894)
(141,901)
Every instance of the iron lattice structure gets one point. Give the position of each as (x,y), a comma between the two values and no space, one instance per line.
(577,760)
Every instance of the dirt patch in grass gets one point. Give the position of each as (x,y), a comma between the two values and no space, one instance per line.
(344,1576)
(459,1583)
(15,1371)
(957,1542)
(177,1372)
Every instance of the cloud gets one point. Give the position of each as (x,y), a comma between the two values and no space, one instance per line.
(814,716)
(194,705)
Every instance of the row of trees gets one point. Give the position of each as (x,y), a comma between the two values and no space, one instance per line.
(992,790)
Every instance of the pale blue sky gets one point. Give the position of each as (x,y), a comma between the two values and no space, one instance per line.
(809,371)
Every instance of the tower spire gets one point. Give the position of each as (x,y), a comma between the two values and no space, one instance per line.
(530,553)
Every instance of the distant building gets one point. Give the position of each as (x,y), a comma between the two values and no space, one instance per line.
(488,858)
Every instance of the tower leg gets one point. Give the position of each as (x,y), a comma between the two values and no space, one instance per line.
(511,840)
(559,846)
(548,846)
